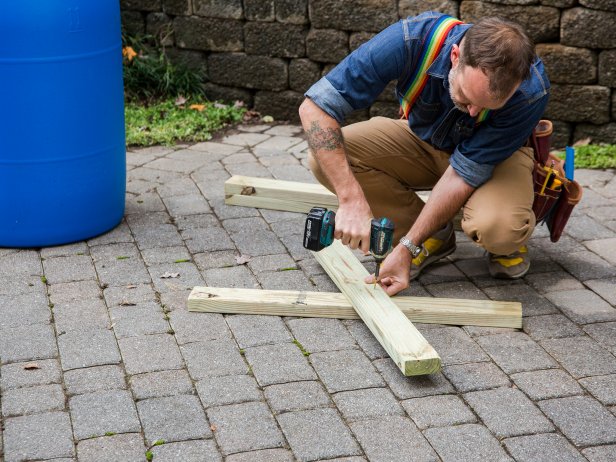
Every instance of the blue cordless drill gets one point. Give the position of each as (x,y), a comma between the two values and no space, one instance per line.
(319,233)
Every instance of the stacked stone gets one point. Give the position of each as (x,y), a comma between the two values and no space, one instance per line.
(268,52)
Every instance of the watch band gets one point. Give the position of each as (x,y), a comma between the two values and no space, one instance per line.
(415,250)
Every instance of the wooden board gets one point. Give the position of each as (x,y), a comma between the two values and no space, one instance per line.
(266,193)
(403,342)
(288,196)
(456,312)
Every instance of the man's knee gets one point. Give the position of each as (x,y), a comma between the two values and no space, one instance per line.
(500,233)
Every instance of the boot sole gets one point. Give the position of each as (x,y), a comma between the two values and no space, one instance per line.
(433,259)
(507,276)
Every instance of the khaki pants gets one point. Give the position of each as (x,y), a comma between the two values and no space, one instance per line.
(390,162)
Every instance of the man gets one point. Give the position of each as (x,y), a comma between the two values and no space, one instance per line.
(483,94)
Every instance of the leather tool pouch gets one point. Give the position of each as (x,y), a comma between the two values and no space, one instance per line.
(555,196)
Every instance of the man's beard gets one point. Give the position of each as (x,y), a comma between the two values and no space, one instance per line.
(452,76)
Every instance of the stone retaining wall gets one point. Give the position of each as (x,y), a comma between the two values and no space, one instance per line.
(268,52)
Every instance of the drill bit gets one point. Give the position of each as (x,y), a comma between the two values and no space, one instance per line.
(376,273)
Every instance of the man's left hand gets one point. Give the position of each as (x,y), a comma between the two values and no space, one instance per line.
(395,272)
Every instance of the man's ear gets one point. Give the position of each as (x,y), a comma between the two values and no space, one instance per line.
(455,56)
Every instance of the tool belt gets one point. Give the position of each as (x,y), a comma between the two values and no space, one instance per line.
(555,195)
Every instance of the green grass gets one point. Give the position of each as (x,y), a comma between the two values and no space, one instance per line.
(168,123)
(594,156)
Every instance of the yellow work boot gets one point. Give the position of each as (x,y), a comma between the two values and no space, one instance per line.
(436,247)
(512,266)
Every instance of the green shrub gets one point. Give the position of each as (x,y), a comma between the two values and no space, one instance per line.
(150,76)
(169,122)
(594,156)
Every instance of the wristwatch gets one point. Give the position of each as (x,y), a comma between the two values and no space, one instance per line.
(414,249)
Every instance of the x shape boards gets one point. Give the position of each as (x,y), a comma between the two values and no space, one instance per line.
(390,326)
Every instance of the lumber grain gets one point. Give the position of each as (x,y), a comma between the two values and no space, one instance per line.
(403,342)
(287,196)
(456,312)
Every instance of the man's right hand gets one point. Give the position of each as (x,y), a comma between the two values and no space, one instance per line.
(324,136)
(353,224)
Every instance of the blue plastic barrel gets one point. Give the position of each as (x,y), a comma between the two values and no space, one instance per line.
(62,149)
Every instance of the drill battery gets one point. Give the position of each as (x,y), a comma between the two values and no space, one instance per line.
(319,228)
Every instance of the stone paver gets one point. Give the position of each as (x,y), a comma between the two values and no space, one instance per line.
(88,348)
(150,353)
(244,427)
(99,357)
(296,396)
(29,374)
(454,346)
(357,371)
(581,356)
(187,451)
(317,434)
(279,364)
(39,436)
(392,438)
(603,388)
(515,352)
(27,343)
(96,414)
(542,447)
(463,443)
(128,447)
(365,404)
(551,383)
(265,455)
(438,411)
(160,384)
(317,335)
(213,359)
(173,418)
(581,419)
(250,331)
(508,412)
(232,389)
(91,379)
(475,376)
(32,400)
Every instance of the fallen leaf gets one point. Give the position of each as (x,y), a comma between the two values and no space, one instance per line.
(250,115)
(180,101)
(197,107)
(213,427)
(131,286)
(168,275)
(267,119)
(128,53)
(125,303)
(31,366)
(242,259)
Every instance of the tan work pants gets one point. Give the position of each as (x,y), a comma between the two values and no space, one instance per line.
(390,162)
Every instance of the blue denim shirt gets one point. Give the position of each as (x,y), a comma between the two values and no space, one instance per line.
(476,148)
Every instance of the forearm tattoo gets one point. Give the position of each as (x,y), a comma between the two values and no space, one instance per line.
(329,139)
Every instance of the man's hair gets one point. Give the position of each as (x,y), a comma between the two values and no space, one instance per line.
(502,50)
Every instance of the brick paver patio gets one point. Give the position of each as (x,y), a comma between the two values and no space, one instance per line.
(99,359)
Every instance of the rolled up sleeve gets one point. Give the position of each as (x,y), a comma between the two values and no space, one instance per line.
(324,95)
(359,78)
